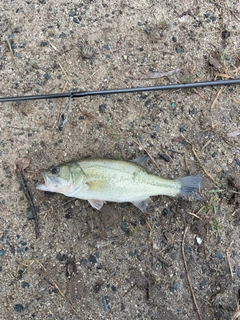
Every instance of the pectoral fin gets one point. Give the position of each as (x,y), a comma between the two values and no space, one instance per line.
(142,204)
(97,204)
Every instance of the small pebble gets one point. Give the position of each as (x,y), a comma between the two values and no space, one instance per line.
(212,18)
(175,286)
(102,108)
(179,50)
(166,212)
(188,249)
(114,289)
(147,30)
(84,261)
(92,259)
(218,314)
(75,20)
(238,273)
(182,129)
(132,254)
(18,55)
(124,227)
(140,23)
(68,215)
(2,252)
(46,76)
(72,13)
(19,307)
(203,284)
(30,214)
(25,284)
(174,256)
(174,39)
(105,305)
(218,255)
(237,162)
(198,240)
(77,203)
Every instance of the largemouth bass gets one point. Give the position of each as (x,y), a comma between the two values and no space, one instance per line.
(101,180)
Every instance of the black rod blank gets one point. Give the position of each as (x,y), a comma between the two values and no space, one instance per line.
(118,91)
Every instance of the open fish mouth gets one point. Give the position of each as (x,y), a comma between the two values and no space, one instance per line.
(47,182)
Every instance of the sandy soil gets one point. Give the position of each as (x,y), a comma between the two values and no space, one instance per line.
(120,263)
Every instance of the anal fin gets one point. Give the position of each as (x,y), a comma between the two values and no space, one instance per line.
(142,204)
(97,204)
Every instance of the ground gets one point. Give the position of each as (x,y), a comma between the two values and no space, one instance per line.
(120,263)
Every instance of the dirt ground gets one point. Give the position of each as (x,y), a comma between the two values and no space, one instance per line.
(120,263)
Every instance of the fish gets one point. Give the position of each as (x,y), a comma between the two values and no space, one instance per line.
(101,180)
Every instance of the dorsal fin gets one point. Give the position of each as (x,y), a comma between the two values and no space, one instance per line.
(142,160)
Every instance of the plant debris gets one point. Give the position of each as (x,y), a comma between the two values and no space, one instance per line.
(153,75)
(19,166)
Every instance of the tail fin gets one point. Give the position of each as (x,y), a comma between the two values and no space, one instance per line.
(190,187)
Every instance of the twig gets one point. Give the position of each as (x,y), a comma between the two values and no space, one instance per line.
(195,215)
(235,15)
(10,49)
(187,275)
(202,167)
(228,259)
(53,46)
(186,164)
(217,95)
(153,75)
(230,144)
(20,165)
(206,144)
(65,73)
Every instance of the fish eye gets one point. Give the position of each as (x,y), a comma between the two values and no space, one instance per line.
(55,170)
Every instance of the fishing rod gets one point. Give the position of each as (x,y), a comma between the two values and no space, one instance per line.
(79,94)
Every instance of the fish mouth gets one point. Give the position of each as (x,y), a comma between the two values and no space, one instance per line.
(47,183)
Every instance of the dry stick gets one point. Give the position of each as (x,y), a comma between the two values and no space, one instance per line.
(195,215)
(217,95)
(187,275)
(230,144)
(228,259)
(10,49)
(236,315)
(153,75)
(29,197)
(202,167)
